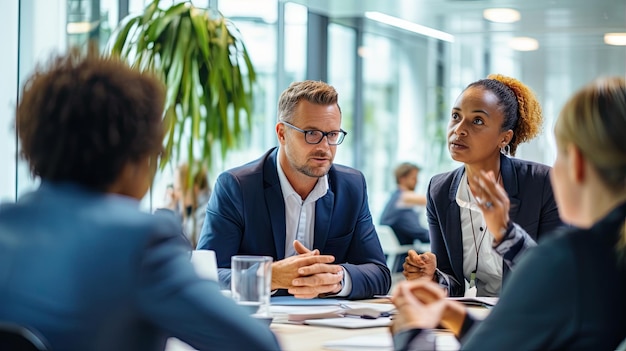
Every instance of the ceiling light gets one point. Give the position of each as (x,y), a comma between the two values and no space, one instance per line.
(410,26)
(502,15)
(81,27)
(523,44)
(615,38)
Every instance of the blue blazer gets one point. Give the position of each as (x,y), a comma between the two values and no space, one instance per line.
(92,272)
(532,207)
(246,215)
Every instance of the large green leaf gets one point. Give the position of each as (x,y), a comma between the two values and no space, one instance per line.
(207,71)
(158,25)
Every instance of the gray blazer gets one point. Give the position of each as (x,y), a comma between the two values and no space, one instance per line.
(92,272)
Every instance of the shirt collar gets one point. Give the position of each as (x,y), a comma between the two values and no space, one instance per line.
(464,197)
(320,189)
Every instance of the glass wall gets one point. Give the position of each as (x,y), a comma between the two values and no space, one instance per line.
(41,31)
(9,25)
(341,74)
(398,118)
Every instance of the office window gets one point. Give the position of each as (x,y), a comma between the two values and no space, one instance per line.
(341,61)
(401,119)
(256,20)
(42,32)
(8,98)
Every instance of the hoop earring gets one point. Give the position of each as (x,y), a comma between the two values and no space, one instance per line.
(506,150)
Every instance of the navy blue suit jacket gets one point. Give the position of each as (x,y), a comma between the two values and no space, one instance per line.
(532,207)
(404,221)
(92,272)
(246,215)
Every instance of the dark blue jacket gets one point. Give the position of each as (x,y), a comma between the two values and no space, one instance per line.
(404,221)
(532,207)
(90,271)
(246,215)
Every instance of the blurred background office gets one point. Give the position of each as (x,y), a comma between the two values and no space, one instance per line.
(397,65)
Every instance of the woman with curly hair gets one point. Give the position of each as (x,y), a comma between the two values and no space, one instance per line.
(475,240)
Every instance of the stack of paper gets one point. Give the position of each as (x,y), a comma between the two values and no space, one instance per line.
(330,312)
(349,322)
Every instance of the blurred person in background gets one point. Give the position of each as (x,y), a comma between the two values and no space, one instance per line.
(188,197)
(400,212)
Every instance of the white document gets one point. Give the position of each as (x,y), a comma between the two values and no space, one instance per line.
(350,322)
(384,342)
(376,341)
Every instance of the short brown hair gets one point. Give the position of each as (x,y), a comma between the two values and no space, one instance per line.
(82,117)
(315,92)
(404,169)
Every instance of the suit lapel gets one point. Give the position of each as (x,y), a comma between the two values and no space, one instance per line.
(509,179)
(275,204)
(323,213)
(453,226)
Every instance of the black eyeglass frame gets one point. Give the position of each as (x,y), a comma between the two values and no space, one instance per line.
(342,134)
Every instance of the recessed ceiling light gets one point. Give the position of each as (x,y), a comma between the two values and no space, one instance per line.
(523,44)
(501,15)
(81,27)
(615,38)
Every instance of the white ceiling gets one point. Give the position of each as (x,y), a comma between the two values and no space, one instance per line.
(570,33)
(577,22)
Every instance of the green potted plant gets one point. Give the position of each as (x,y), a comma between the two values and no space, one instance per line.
(204,63)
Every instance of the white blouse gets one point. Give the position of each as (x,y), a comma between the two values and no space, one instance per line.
(477,245)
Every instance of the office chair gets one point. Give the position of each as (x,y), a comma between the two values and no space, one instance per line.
(392,248)
(16,337)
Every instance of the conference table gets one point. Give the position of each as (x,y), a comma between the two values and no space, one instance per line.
(301,337)
(294,337)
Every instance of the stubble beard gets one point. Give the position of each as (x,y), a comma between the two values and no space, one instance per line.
(313,172)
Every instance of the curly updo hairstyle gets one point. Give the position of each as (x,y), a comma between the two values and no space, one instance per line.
(522,112)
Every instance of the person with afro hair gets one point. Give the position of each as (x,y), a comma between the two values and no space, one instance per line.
(81,264)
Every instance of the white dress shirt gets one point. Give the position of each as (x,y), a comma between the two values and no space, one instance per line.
(299,214)
(300,218)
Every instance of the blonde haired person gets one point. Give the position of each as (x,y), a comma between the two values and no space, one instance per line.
(568,293)
(474,240)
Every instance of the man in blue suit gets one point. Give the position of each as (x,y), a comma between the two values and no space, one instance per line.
(293,204)
(79,262)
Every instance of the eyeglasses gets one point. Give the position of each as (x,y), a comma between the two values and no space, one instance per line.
(314,136)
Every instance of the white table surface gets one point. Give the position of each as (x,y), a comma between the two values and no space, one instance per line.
(294,337)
